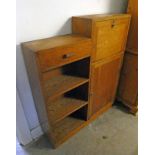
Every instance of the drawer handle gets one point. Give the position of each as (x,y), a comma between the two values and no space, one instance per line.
(68,55)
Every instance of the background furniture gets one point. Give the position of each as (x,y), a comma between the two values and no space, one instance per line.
(128,85)
(74,77)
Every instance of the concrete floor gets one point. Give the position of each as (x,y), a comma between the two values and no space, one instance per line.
(113,133)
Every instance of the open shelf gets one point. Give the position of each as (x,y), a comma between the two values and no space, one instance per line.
(65,78)
(63,107)
(67,103)
(66,128)
(66,89)
(70,125)
(62,84)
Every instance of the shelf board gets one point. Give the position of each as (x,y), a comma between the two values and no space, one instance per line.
(59,109)
(65,128)
(63,83)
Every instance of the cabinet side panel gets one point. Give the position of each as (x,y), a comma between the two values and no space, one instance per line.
(82,26)
(133,32)
(33,74)
(128,85)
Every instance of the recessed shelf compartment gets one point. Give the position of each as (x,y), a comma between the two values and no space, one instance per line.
(63,107)
(62,84)
(68,103)
(62,130)
(62,80)
(65,78)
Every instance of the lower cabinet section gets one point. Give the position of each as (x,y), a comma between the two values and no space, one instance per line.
(128,84)
(104,79)
(65,128)
(70,125)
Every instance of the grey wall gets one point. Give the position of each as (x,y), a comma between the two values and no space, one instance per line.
(38,19)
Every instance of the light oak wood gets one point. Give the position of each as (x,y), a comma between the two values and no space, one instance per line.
(74,77)
(62,107)
(34,76)
(104,79)
(109,36)
(65,128)
(61,88)
(55,42)
(108,32)
(57,51)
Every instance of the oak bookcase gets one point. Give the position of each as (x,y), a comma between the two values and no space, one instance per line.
(74,77)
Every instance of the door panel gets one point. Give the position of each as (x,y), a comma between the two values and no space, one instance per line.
(128,86)
(110,37)
(104,82)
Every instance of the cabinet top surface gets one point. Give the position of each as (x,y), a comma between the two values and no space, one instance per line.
(98,17)
(53,42)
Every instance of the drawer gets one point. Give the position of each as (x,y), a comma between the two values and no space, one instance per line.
(110,37)
(51,58)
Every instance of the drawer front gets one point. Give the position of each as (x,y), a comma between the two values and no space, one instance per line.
(63,55)
(111,36)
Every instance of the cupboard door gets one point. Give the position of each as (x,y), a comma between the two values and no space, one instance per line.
(128,86)
(110,37)
(104,81)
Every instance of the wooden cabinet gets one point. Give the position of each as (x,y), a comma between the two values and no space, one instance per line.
(64,54)
(104,80)
(108,32)
(128,84)
(74,77)
(59,81)
(109,35)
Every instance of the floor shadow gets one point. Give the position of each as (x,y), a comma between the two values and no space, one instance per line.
(42,143)
(120,106)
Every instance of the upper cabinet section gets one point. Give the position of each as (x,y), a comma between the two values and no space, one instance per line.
(109,33)
(110,37)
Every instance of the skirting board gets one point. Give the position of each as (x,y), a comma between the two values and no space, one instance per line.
(36,132)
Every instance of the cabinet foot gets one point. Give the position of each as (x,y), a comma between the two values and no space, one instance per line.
(133,110)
